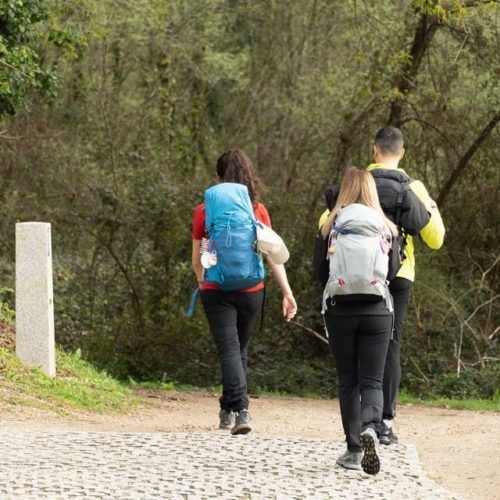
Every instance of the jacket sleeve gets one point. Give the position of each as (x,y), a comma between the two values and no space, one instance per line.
(323,218)
(433,232)
(414,215)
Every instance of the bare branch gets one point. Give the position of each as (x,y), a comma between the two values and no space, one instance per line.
(420,371)
(9,137)
(492,299)
(423,123)
(494,334)
(475,3)
(485,273)
(483,359)
(307,329)
(463,162)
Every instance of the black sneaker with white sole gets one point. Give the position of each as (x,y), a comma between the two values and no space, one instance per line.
(386,435)
(370,462)
(242,424)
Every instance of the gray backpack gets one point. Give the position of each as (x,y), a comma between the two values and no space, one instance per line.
(359,263)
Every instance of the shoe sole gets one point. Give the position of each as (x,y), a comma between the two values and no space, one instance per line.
(386,441)
(241,429)
(225,427)
(370,462)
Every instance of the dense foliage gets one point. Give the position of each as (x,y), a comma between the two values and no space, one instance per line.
(152,91)
(20,69)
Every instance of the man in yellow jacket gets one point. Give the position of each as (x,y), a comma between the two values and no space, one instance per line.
(407,203)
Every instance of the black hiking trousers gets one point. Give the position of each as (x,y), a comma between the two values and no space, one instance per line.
(232,317)
(359,344)
(400,289)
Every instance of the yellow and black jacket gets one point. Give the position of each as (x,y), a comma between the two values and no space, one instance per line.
(419,214)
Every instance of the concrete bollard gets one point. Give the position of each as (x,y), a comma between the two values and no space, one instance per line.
(35,344)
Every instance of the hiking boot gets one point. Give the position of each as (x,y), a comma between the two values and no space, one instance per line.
(370,462)
(386,436)
(226,419)
(242,424)
(350,460)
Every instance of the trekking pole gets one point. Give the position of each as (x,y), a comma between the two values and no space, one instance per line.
(310,330)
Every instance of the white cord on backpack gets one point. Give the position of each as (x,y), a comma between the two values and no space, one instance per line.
(204,245)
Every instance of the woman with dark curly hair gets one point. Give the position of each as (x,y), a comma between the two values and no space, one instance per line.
(231,211)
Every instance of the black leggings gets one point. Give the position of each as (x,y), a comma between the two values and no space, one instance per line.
(400,289)
(359,344)
(232,317)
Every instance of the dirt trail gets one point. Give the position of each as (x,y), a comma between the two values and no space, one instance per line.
(458,448)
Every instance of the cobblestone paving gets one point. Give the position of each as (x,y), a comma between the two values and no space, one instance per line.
(39,464)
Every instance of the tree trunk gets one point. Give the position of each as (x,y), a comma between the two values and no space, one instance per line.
(405,81)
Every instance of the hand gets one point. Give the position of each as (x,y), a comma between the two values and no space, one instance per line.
(289,307)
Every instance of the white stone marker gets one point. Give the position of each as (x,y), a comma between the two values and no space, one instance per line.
(35,345)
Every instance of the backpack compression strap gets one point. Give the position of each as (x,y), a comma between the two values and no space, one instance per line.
(344,230)
(192,302)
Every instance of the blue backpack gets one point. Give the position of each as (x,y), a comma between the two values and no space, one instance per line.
(231,226)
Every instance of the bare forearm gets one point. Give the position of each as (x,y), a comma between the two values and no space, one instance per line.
(279,273)
(198,271)
(289,304)
(195,260)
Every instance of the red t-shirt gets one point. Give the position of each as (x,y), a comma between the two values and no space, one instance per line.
(199,232)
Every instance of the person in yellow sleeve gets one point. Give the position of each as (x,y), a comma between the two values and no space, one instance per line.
(407,203)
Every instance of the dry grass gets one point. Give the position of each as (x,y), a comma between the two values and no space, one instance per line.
(7,336)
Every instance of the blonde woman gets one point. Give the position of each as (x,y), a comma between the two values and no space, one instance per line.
(359,329)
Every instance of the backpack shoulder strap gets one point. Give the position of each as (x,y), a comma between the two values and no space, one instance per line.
(331,195)
(400,179)
(400,201)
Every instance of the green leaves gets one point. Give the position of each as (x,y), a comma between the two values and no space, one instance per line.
(144,96)
(20,70)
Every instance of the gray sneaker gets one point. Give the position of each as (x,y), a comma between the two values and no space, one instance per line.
(226,419)
(350,460)
(369,442)
(242,424)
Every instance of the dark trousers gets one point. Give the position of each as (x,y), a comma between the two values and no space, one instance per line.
(232,317)
(400,289)
(359,344)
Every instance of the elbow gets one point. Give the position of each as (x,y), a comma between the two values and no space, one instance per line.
(433,234)
(435,243)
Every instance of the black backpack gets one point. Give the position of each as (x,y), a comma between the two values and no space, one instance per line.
(392,189)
